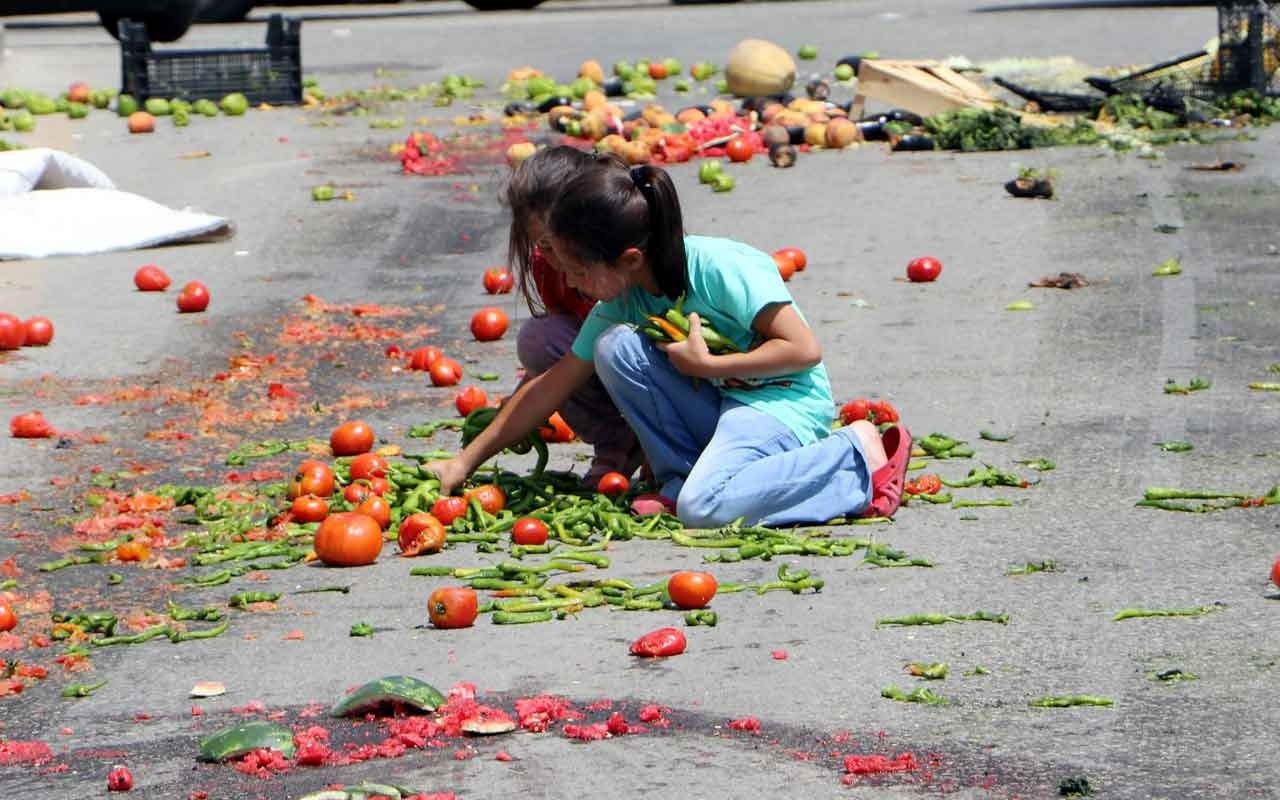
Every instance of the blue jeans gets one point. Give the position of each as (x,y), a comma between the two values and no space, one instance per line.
(721,459)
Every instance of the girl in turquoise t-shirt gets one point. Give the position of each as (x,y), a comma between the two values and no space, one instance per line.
(739,435)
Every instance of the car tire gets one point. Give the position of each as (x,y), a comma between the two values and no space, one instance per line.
(503,5)
(168,27)
(223,10)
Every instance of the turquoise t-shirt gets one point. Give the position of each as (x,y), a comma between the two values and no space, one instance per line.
(729,284)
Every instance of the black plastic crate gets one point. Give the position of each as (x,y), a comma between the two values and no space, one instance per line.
(264,75)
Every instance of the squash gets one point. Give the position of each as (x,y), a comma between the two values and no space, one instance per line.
(757,67)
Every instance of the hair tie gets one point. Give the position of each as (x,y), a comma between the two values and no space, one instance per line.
(639,179)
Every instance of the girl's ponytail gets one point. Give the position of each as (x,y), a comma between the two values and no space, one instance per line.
(666,228)
(608,208)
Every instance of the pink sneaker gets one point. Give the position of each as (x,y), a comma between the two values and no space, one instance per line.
(648,504)
(888,481)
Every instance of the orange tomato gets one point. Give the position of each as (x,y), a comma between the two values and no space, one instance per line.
(133,550)
(796,255)
(351,438)
(490,497)
(691,589)
(312,477)
(786,265)
(374,506)
(558,431)
(8,619)
(309,508)
(348,539)
(453,607)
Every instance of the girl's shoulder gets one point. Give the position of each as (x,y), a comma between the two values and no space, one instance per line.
(718,252)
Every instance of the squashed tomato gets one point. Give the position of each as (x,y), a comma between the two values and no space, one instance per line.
(691,589)
(447,509)
(31,425)
(453,607)
(133,550)
(469,399)
(854,410)
(351,438)
(490,497)
(421,533)
(309,508)
(368,465)
(529,531)
(662,642)
(312,477)
(882,411)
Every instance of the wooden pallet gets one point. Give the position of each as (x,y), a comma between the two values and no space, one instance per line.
(923,87)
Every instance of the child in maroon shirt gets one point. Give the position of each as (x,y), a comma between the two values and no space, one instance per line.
(558,310)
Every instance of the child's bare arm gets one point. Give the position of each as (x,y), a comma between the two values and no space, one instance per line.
(789,346)
(528,408)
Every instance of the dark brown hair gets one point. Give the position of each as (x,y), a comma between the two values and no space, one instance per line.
(530,192)
(608,208)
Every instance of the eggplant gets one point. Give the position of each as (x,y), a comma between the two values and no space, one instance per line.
(553,101)
(519,107)
(782,155)
(872,131)
(613,87)
(914,141)
(797,133)
(635,113)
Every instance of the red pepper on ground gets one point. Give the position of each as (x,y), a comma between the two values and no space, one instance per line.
(662,642)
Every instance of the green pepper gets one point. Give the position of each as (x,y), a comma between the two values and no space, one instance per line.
(701,616)
(362,629)
(1071,700)
(190,636)
(520,618)
(137,638)
(246,598)
(83,689)
(1137,613)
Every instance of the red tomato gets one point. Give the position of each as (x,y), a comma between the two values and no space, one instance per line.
(739,149)
(446,372)
(1275,574)
(348,539)
(490,497)
(528,530)
(312,477)
(447,509)
(39,332)
(854,410)
(557,431)
(929,484)
(424,357)
(357,493)
(691,589)
(469,399)
(150,278)
(453,607)
(662,642)
(421,533)
(374,506)
(12,332)
(488,324)
(119,779)
(193,298)
(613,483)
(351,438)
(498,280)
(309,508)
(379,486)
(368,465)
(786,265)
(31,425)
(882,411)
(8,619)
(796,255)
(657,70)
(393,351)
(923,270)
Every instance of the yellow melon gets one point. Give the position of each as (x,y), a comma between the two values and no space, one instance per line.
(756,67)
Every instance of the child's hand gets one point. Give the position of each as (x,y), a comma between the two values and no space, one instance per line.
(451,472)
(692,356)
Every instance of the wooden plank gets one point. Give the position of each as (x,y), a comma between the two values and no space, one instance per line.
(924,87)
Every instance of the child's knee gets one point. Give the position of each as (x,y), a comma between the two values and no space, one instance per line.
(620,349)
(541,342)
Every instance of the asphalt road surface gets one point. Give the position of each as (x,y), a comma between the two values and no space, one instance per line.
(1078,380)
